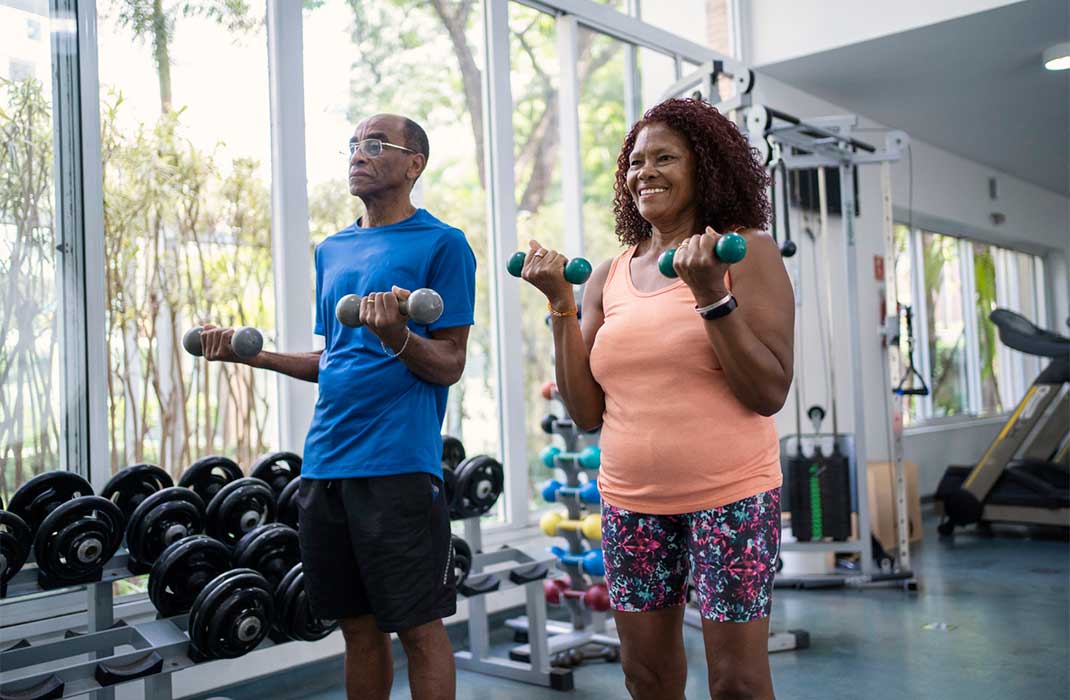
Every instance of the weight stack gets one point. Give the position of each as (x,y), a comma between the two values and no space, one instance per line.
(820,499)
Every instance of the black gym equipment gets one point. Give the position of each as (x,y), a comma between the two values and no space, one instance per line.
(183,570)
(16,539)
(480,481)
(293,616)
(452,452)
(209,474)
(286,505)
(911,383)
(132,485)
(271,549)
(39,496)
(159,521)
(75,540)
(452,455)
(237,508)
(278,469)
(1023,475)
(462,559)
(547,423)
(230,616)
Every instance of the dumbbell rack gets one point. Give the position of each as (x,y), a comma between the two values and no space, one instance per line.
(587,628)
(496,571)
(160,646)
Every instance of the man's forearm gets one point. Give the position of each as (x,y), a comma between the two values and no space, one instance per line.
(432,360)
(300,365)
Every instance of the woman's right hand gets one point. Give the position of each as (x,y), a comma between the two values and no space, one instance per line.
(545,270)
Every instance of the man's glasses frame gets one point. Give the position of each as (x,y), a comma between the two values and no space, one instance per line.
(372,148)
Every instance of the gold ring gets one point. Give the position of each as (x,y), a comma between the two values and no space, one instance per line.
(538,253)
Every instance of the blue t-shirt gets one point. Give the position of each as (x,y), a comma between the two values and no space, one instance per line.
(374,417)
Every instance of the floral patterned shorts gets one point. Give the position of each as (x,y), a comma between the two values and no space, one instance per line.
(728,554)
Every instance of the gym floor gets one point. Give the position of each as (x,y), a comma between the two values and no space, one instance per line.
(1000,606)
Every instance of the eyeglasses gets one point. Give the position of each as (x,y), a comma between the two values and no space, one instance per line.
(371,147)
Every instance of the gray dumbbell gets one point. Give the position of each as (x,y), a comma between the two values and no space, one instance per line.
(423,306)
(246,342)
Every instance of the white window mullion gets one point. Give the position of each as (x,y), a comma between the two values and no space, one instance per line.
(568,120)
(506,318)
(921,320)
(290,242)
(972,354)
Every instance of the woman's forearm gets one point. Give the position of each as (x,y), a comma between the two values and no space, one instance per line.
(582,395)
(755,375)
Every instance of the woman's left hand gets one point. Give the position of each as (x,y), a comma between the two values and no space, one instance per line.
(699,267)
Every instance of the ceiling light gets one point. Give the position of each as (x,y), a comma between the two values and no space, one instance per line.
(1058,57)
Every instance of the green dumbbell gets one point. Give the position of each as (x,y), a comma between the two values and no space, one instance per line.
(589,457)
(731,248)
(423,306)
(246,342)
(577,270)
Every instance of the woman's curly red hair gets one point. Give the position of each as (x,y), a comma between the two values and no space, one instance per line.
(730,182)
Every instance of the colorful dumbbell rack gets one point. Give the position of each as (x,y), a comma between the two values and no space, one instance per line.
(589,633)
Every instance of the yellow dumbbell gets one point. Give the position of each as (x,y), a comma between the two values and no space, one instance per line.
(590,526)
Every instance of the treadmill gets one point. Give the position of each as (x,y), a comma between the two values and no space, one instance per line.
(1023,476)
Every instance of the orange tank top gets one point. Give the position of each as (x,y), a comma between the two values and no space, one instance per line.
(675,439)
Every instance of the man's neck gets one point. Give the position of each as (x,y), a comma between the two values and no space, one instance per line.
(379,213)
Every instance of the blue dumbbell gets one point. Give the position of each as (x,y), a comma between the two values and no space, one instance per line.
(590,562)
(588,493)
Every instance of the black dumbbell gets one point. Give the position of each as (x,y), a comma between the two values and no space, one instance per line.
(423,306)
(246,342)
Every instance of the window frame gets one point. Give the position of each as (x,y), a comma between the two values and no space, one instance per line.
(1013,366)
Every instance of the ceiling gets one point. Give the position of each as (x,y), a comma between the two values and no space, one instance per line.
(973,86)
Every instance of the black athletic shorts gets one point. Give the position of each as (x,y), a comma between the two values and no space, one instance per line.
(379,546)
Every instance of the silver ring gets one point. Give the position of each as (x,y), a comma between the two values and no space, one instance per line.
(538,253)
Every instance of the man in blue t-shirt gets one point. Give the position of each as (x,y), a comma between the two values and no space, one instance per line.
(375,531)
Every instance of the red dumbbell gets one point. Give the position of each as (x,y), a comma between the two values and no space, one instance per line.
(552,588)
(595,598)
(548,390)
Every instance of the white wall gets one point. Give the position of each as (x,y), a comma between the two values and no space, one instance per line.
(951,196)
(778,30)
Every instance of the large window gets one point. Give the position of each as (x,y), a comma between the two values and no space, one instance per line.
(31,391)
(186,167)
(952,285)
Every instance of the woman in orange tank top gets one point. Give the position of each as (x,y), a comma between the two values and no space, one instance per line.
(683,377)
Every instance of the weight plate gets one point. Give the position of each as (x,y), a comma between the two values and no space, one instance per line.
(238,507)
(132,485)
(162,519)
(278,469)
(16,539)
(462,559)
(286,512)
(452,452)
(77,538)
(44,493)
(480,480)
(271,550)
(293,615)
(182,570)
(231,616)
(209,474)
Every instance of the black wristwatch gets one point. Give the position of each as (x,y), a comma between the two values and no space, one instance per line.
(719,311)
